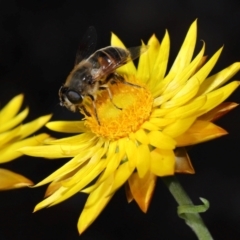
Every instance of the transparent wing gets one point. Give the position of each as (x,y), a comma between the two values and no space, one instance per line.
(135,52)
(87,45)
(111,58)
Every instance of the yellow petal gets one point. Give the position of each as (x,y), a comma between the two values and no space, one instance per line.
(143,160)
(131,149)
(67,168)
(206,69)
(162,162)
(61,150)
(187,110)
(181,78)
(162,122)
(52,188)
(48,201)
(31,127)
(11,180)
(159,112)
(14,121)
(96,202)
(183,162)
(57,183)
(216,97)
(218,79)
(51,152)
(160,140)
(200,131)
(153,51)
(157,60)
(128,193)
(88,175)
(7,137)
(143,71)
(178,127)
(111,167)
(185,54)
(218,111)
(161,62)
(141,136)
(113,161)
(201,63)
(75,140)
(128,68)
(164,97)
(95,164)
(67,126)
(116,42)
(149,126)
(12,151)
(142,189)
(184,95)
(121,176)
(11,109)
(112,149)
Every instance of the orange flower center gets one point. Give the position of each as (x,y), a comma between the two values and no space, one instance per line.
(129,108)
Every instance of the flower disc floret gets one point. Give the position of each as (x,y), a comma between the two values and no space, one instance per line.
(129,109)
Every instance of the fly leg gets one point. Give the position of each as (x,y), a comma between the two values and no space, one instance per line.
(85,111)
(105,86)
(113,78)
(94,108)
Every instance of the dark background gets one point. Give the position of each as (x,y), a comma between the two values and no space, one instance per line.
(38,42)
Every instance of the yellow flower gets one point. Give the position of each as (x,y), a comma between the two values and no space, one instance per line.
(140,142)
(14,136)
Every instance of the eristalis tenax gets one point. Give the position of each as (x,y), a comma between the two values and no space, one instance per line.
(94,71)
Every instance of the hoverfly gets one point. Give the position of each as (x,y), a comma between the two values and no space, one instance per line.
(94,71)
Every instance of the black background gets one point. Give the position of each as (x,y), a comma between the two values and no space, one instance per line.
(38,42)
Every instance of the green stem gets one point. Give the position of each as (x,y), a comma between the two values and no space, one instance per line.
(193,220)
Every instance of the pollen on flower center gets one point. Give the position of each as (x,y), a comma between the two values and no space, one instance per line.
(133,105)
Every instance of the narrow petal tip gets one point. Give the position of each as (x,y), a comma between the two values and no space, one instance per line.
(12,180)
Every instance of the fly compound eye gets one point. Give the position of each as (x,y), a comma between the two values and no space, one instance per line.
(74,97)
